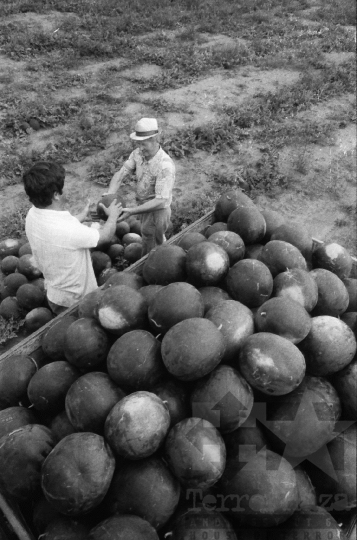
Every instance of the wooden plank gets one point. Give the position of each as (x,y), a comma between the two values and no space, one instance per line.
(16,524)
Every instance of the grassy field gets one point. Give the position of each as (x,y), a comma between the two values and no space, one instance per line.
(248,93)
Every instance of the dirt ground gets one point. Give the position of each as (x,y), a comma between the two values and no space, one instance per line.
(321,190)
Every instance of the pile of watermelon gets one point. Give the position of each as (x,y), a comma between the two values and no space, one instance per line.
(213,396)
(22,293)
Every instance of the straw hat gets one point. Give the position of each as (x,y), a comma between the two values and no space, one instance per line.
(145,129)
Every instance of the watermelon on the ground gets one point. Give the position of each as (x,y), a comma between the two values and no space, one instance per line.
(16,371)
(229,201)
(29,297)
(273,220)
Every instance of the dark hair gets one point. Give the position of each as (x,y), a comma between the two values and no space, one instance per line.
(42,181)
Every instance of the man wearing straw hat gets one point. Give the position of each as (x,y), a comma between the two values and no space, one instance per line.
(155,174)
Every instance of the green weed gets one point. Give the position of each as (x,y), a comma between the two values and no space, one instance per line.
(189,210)
(13,226)
(9,328)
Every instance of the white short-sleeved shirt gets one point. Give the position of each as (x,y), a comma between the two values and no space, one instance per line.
(155,177)
(60,246)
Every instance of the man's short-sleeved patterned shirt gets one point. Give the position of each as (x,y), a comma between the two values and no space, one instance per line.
(155,178)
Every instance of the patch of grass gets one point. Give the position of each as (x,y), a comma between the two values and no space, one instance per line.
(9,328)
(341,12)
(189,210)
(13,226)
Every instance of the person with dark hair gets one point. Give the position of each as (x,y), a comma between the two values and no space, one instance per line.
(59,241)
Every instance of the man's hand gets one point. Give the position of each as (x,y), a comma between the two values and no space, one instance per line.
(125,215)
(114,210)
(82,216)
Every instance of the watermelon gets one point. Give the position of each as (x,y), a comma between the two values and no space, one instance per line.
(271,364)
(175,396)
(298,285)
(12,283)
(350,319)
(100,261)
(115,251)
(36,318)
(235,321)
(249,438)
(10,309)
(253,251)
(195,452)
(280,256)
(29,297)
(61,426)
(248,223)
(124,278)
(131,238)
(63,528)
(86,344)
(149,291)
(329,346)
(28,268)
(25,249)
(122,309)
(334,258)
(351,286)
(307,492)
(53,340)
(212,296)
(345,382)
(146,488)
(43,514)
(48,387)
(8,247)
(250,282)
(76,475)
(136,426)
(122,228)
(190,239)
(88,306)
(260,489)
(15,374)
(135,226)
(201,523)
(134,360)
(224,398)
(206,264)
(229,201)
(192,348)
(105,275)
(333,298)
(283,317)
(165,264)
(231,243)
(13,418)
(303,421)
(9,264)
(309,522)
(107,200)
(126,527)
(24,450)
(132,252)
(218,226)
(294,234)
(173,304)
(273,220)
(89,401)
